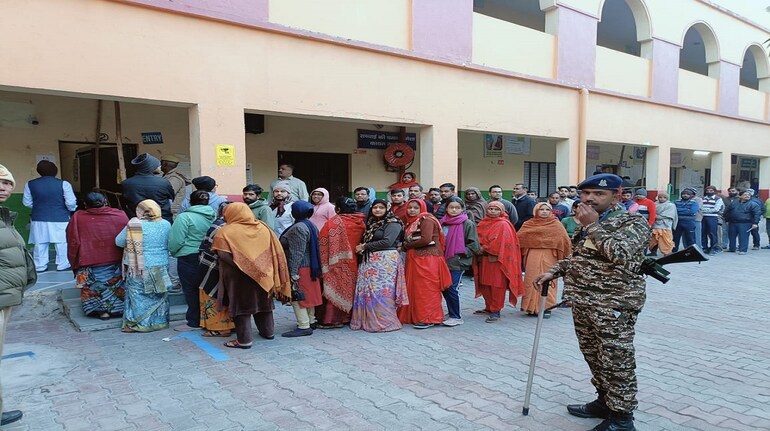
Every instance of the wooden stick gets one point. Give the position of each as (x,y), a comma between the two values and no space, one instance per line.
(119,142)
(98,132)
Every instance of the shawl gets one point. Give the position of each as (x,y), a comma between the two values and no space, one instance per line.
(455,237)
(255,248)
(498,237)
(402,185)
(323,211)
(373,223)
(544,233)
(147,210)
(413,223)
(477,208)
(337,242)
(300,211)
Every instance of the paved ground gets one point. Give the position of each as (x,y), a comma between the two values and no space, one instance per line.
(703,363)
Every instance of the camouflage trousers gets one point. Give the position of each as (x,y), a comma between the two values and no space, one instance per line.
(606,338)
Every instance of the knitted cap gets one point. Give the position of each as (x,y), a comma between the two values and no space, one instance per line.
(642,192)
(690,190)
(5,174)
(146,163)
(204,183)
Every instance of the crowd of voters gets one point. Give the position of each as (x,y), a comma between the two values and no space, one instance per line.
(372,264)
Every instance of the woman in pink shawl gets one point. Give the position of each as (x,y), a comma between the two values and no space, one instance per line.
(323,210)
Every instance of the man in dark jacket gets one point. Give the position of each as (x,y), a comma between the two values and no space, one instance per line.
(17,272)
(148,184)
(496,194)
(524,204)
(743,216)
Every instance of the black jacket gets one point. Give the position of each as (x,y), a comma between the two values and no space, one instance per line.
(524,208)
(148,186)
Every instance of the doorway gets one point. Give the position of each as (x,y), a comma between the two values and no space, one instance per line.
(328,170)
(79,167)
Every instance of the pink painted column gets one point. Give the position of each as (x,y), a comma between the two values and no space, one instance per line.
(239,11)
(665,71)
(576,51)
(729,80)
(443,29)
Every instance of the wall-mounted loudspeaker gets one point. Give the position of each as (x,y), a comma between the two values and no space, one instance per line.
(254,123)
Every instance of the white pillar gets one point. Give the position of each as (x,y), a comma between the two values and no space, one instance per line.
(438,154)
(212,128)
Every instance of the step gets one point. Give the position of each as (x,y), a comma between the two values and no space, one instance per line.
(73,309)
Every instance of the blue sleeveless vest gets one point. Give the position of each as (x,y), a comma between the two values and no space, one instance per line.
(48,200)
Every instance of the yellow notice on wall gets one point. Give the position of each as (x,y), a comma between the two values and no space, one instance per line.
(225,155)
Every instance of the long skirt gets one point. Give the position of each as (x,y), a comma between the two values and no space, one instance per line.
(145,312)
(426,278)
(101,289)
(538,261)
(379,289)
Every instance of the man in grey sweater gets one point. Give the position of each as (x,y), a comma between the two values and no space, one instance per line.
(666,218)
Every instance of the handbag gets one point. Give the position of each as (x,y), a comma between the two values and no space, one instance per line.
(296,293)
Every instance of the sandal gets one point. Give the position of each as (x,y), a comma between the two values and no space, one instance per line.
(234,344)
(216,334)
(494,317)
(128,330)
(482,311)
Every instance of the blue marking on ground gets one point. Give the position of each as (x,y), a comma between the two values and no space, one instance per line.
(19,355)
(204,345)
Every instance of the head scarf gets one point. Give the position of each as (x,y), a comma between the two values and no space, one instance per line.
(373,223)
(372,194)
(133,254)
(279,205)
(146,163)
(497,204)
(544,233)
(498,237)
(339,264)
(324,210)
(477,208)
(256,250)
(301,211)
(346,205)
(455,237)
(401,184)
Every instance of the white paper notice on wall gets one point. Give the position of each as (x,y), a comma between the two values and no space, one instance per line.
(249,174)
(49,157)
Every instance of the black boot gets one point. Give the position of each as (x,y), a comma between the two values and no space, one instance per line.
(11,417)
(595,409)
(617,422)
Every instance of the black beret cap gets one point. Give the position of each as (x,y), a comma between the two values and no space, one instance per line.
(601,182)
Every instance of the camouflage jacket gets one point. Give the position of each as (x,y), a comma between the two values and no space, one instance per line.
(606,260)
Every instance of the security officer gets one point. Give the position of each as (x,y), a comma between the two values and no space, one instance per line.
(602,278)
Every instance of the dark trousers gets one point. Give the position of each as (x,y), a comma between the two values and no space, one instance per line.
(709,238)
(755,236)
(452,295)
(264,321)
(741,231)
(685,231)
(187,267)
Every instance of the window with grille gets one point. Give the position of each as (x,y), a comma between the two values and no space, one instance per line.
(540,177)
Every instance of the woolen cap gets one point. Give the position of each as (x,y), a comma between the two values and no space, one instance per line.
(146,163)
(5,174)
(642,192)
(690,190)
(204,183)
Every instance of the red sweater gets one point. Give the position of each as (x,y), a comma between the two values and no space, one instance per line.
(91,237)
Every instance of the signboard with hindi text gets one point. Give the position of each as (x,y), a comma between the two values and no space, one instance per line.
(379,140)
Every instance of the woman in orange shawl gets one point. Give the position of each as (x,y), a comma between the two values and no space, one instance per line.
(253,268)
(544,242)
(498,266)
(339,264)
(427,273)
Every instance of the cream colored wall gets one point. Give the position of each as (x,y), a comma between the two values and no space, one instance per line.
(621,72)
(697,90)
(380,22)
(483,172)
(752,103)
(610,154)
(320,136)
(74,119)
(508,46)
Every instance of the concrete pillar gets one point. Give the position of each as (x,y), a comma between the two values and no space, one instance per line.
(664,76)
(212,127)
(657,169)
(438,154)
(567,161)
(729,81)
(576,44)
(443,29)
(764,178)
(721,169)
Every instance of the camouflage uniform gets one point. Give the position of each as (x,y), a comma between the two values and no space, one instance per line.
(602,279)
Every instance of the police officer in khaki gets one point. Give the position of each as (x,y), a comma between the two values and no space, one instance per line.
(602,279)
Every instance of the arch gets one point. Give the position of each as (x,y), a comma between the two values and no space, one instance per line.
(710,42)
(641,18)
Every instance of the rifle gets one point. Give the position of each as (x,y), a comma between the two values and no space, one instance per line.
(654,267)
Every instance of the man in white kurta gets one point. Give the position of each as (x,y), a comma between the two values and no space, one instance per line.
(52,201)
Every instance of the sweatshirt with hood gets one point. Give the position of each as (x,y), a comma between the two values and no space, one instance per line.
(189,229)
(262,212)
(323,211)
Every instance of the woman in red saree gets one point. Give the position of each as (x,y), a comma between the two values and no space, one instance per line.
(498,266)
(427,274)
(544,242)
(339,263)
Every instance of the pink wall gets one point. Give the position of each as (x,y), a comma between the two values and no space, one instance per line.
(240,11)
(729,80)
(665,71)
(576,52)
(443,28)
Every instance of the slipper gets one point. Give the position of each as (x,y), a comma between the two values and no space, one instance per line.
(128,330)
(482,311)
(216,334)
(234,344)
